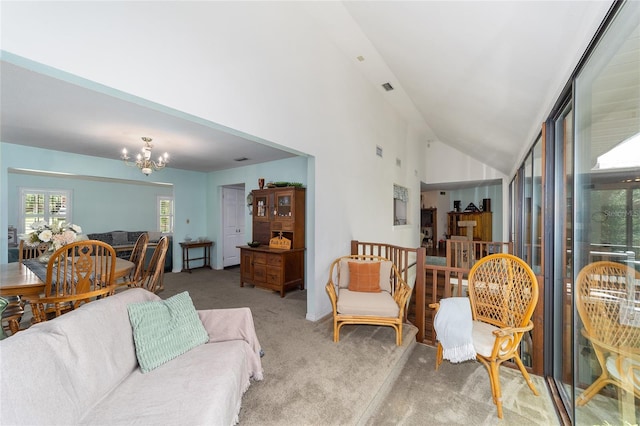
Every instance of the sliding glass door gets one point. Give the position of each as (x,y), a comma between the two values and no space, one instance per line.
(606,227)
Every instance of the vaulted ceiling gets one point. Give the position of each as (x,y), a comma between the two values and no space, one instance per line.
(479,76)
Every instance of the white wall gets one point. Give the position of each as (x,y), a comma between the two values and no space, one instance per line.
(264,68)
(445,164)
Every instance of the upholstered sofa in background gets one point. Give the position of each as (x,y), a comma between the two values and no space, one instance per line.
(85,367)
(123,241)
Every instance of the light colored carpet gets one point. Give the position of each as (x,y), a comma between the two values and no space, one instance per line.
(363,379)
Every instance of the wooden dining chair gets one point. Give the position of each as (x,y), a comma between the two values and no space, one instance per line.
(12,314)
(26,251)
(76,274)
(153,276)
(135,277)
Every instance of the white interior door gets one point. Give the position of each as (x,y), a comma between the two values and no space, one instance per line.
(233,225)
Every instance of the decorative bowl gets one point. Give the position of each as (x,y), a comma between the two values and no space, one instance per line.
(254,244)
(281,184)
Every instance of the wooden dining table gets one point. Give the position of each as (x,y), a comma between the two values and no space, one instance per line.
(18,280)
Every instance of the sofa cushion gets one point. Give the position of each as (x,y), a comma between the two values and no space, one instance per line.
(364,276)
(165,329)
(154,236)
(202,387)
(120,238)
(375,304)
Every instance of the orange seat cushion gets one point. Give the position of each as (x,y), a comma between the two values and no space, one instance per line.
(364,277)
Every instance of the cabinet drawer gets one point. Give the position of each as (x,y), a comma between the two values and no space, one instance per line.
(260,258)
(259,273)
(274,260)
(282,225)
(273,275)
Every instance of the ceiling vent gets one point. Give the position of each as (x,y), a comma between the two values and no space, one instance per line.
(387,86)
(240,159)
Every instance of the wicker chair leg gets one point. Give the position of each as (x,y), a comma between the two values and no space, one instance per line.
(592,390)
(494,378)
(398,334)
(526,376)
(438,355)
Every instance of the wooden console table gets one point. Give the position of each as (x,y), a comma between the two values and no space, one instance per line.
(206,257)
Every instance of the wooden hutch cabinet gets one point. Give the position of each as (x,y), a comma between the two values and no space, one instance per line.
(276,212)
(481,232)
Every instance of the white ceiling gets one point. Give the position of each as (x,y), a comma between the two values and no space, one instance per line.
(479,76)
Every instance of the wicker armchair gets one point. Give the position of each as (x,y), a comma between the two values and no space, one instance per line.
(76,274)
(608,308)
(383,307)
(503,293)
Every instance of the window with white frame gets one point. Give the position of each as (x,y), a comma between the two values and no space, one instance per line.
(165,214)
(52,206)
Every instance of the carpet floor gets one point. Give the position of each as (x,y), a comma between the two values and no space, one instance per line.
(365,379)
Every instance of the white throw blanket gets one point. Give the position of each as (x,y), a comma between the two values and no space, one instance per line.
(453,324)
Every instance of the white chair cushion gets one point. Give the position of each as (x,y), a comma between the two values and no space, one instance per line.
(374,304)
(385,273)
(483,337)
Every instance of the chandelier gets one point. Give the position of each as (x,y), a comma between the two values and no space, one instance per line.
(143,159)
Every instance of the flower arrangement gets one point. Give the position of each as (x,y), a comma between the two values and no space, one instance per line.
(55,235)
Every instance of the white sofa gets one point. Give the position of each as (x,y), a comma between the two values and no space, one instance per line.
(81,368)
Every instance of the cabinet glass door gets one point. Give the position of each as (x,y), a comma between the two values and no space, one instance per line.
(284,208)
(260,206)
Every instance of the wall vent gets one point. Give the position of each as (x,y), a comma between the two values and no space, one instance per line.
(387,86)
(378,150)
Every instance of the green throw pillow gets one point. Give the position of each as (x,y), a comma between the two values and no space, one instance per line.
(165,329)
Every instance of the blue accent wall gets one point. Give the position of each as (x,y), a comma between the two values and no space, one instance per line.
(189,190)
(288,170)
(98,205)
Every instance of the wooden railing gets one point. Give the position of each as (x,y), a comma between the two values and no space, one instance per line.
(439,282)
(464,253)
